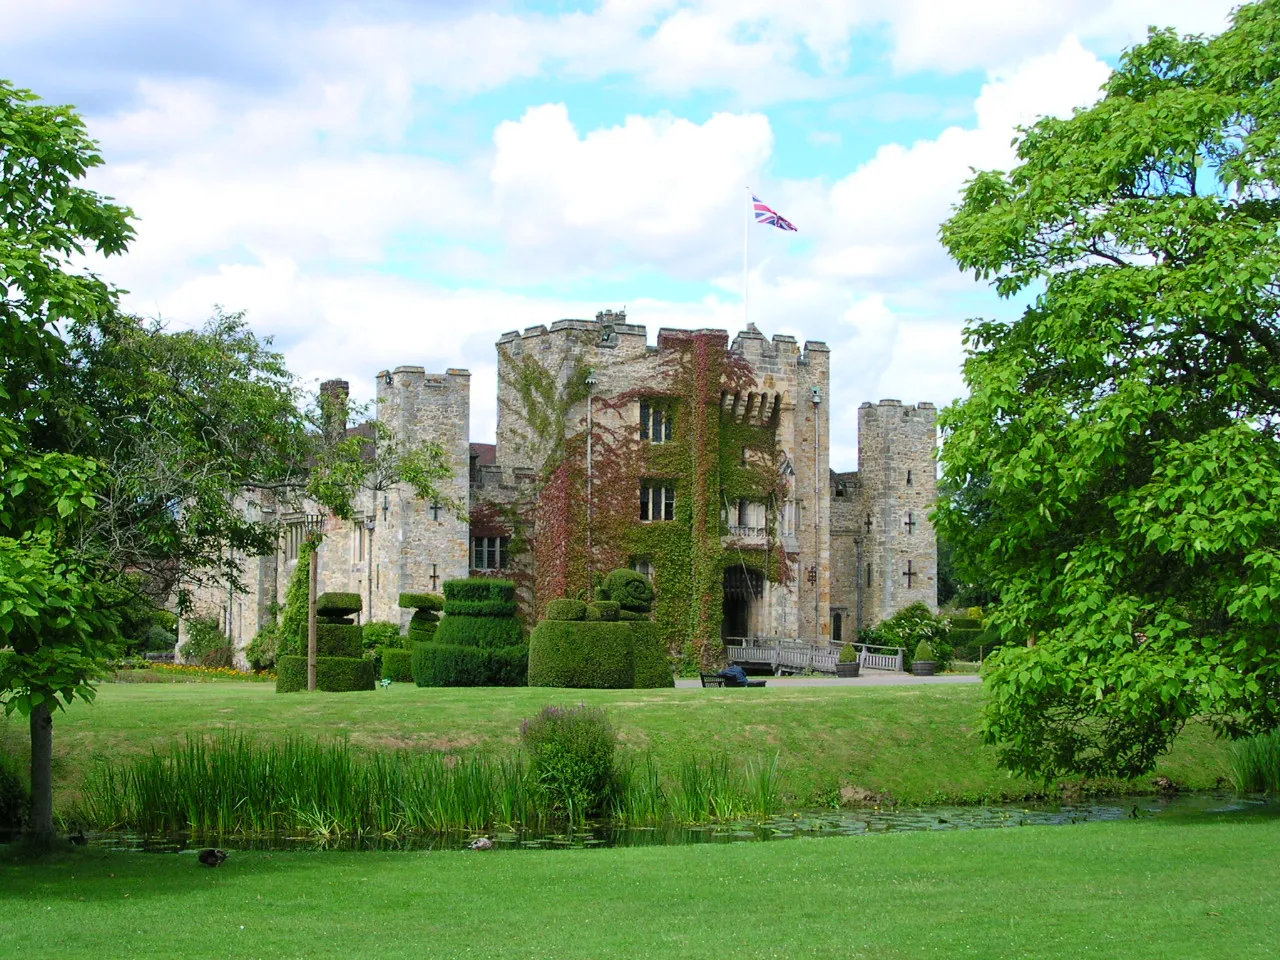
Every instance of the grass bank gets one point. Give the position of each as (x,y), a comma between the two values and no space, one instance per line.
(1129,890)
(913,743)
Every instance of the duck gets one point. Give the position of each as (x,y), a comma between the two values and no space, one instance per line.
(211,857)
(483,843)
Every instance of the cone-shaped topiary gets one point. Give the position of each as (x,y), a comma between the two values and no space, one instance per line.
(478,643)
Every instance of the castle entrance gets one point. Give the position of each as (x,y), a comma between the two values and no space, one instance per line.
(743,589)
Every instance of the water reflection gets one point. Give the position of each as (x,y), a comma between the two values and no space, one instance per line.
(811,823)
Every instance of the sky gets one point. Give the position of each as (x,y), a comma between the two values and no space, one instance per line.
(386,183)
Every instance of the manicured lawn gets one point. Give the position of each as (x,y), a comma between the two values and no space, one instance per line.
(916,743)
(1130,890)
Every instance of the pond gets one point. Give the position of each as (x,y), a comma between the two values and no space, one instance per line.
(810,823)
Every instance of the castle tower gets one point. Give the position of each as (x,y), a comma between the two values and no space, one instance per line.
(897,474)
(416,544)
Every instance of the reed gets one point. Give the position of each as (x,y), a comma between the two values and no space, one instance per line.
(1255,764)
(231,785)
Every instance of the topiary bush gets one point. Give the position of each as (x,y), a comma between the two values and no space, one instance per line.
(397,664)
(649,650)
(848,654)
(607,610)
(566,609)
(571,757)
(565,653)
(422,601)
(478,643)
(338,607)
(630,589)
(339,640)
(333,674)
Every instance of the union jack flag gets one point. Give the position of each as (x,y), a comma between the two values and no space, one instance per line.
(770,218)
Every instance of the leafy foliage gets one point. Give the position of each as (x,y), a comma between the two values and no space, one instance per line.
(1126,424)
(206,644)
(571,751)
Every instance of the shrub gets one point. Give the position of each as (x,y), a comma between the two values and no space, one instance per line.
(848,653)
(333,674)
(421,601)
(480,608)
(604,610)
(913,624)
(382,634)
(293,620)
(479,631)
(422,630)
(339,640)
(924,652)
(334,607)
(14,796)
(157,639)
(205,640)
(455,665)
(566,610)
(649,650)
(564,653)
(264,648)
(571,753)
(629,588)
(509,666)
(397,664)
(477,588)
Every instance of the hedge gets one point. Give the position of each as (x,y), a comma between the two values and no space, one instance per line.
(478,588)
(607,610)
(397,664)
(421,632)
(653,666)
(630,588)
(333,674)
(340,605)
(566,610)
(480,608)
(582,654)
(452,665)
(493,632)
(421,601)
(339,640)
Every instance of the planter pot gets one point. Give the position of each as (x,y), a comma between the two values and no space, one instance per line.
(923,668)
(847,669)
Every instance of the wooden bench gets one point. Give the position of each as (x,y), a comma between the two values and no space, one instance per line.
(715,680)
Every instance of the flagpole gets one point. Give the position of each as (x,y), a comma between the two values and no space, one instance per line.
(746,244)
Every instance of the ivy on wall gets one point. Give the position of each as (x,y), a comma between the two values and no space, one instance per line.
(713,461)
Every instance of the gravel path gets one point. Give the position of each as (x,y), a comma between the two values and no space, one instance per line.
(869,678)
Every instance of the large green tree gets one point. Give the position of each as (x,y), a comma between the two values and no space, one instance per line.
(1126,423)
(123,446)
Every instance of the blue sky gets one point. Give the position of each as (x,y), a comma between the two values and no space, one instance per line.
(386,183)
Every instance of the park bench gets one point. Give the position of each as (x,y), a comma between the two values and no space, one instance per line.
(716,680)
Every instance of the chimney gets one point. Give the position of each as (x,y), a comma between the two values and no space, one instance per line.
(333,408)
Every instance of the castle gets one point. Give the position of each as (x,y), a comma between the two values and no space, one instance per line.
(701,461)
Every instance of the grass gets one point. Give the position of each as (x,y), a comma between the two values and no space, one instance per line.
(914,743)
(233,784)
(1207,888)
(1255,764)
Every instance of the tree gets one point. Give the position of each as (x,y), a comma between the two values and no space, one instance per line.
(1127,422)
(124,447)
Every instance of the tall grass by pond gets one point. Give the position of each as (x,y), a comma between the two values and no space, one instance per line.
(232,784)
(1255,764)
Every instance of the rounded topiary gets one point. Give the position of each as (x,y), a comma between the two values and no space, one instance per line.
(421,601)
(848,653)
(566,610)
(629,588)
(924,651)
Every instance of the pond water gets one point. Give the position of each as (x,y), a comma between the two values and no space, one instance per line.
(810,823)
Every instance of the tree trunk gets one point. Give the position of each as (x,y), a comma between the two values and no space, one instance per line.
(40,823)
